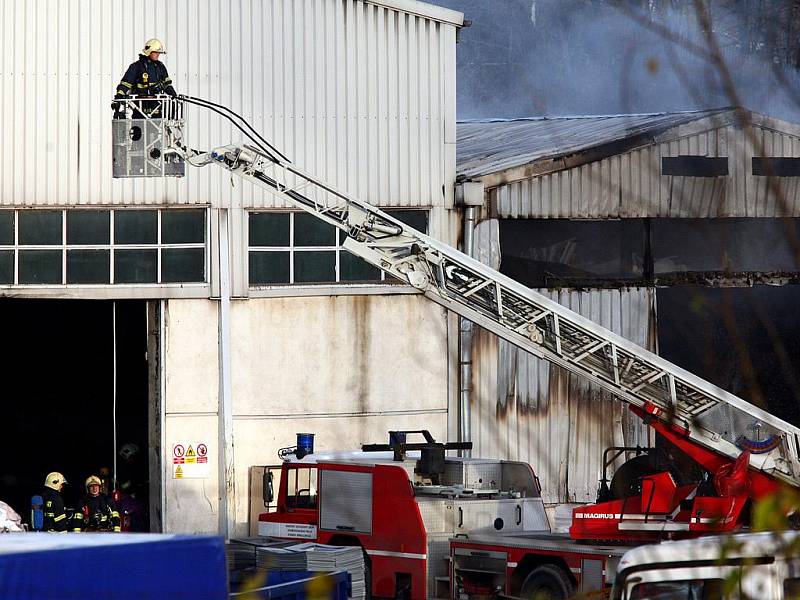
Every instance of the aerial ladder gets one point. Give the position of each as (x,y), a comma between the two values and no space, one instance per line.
(709,424)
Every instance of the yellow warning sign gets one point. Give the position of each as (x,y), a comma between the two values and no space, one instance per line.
(178,472)
(191,457)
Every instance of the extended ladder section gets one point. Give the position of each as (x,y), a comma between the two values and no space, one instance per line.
(707,414)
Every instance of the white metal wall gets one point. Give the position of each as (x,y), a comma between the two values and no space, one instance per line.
(353,91)
(525,409)
(631,184)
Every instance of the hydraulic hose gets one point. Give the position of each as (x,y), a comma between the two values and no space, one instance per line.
(260,147)
(262,143)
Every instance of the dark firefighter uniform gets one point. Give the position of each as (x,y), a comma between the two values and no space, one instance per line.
(99,513)
(55,515)
(145,77)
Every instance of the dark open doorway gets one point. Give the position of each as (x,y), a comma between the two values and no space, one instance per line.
(58,367)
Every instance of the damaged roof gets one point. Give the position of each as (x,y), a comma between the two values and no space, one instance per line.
(490,146)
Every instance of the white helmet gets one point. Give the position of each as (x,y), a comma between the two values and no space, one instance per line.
(153,45)
(54,480)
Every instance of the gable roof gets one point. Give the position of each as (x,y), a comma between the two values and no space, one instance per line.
(490,146)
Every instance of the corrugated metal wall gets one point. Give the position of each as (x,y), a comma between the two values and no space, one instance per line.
(523,408)
(631,184)
(359,94)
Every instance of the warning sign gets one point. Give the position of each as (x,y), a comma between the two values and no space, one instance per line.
(190,460)
(178,452)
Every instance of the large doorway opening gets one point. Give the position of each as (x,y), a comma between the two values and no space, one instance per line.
(60,363)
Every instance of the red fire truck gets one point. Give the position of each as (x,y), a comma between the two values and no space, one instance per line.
(416,512)
(437,526)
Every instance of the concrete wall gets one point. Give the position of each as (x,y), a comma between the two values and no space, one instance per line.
(190,405)
(347,368)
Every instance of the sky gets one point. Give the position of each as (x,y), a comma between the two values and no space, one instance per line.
(566,57)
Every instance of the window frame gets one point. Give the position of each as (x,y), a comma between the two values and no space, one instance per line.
(695,165)
(111,247)
(386,284)
(775,166)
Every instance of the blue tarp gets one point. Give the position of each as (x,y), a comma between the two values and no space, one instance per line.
(66,566)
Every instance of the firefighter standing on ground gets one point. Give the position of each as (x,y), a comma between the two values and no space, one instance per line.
(146,77)
(99,513)
(55,516)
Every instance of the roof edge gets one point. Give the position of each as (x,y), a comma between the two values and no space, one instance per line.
(422,9)
(560,161)
(704,112)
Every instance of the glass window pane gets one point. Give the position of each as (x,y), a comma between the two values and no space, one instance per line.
(7,227)
(7,266)
(40,227)
(269,229)
(183,265)
(311,231)
(88,266)
(135,266)
(314,267)
(88,227)
(355,268)
(135,227)
(269,268)
(418,219)
(40,266)
(183,226)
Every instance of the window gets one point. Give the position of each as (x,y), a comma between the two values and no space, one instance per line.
(663,251)
(545,252)
(791,587)
(298,248)
(694,166)
(707,589)
(301,492)
(734,245)
(775,166)
(101,247)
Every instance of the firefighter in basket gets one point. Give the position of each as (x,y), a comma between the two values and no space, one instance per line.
(99,511)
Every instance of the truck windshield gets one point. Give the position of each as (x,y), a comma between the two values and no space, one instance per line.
(705,589)
(301,490)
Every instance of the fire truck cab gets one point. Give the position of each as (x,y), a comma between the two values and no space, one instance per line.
(402,503)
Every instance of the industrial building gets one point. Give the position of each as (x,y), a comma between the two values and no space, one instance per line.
(676,230)
(200,312)
(238,322)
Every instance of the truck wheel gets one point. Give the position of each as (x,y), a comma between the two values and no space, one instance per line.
(547,582)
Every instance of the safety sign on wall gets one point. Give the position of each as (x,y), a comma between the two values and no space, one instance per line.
(190,460)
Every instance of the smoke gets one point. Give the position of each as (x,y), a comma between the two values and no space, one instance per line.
(563,57)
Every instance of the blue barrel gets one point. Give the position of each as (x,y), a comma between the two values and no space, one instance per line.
(37,515)
(305,443)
